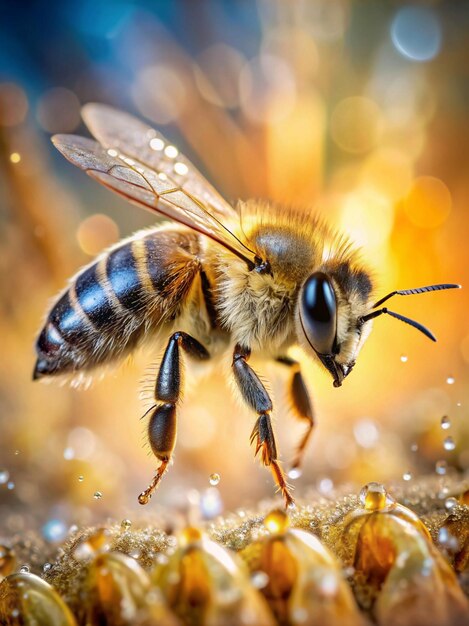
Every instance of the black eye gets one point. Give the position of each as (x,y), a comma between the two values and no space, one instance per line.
(319,313)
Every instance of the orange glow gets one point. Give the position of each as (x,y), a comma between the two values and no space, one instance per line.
(96,233)
(356,124)
(428,202)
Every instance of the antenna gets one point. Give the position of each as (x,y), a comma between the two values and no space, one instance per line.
(411,292)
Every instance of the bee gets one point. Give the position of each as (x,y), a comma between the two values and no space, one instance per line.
(251,279)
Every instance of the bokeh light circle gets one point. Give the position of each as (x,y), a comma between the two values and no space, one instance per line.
(96,233)
(356,124)
(428,202)
(416,33)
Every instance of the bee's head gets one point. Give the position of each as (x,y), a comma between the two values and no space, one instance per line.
(332,304)
(335,314)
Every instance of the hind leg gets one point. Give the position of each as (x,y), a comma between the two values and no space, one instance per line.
(256,396)
(162,424)
(301,405)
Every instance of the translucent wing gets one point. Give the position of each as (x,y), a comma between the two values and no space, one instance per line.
(139,164)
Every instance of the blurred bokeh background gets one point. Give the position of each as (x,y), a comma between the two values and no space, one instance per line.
(356,110)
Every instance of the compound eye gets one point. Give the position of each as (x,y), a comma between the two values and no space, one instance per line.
(319,313)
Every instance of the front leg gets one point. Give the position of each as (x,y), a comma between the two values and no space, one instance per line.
(301,405)
(256,396)
(162,424)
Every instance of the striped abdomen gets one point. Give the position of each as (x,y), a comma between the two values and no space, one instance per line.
(111,304)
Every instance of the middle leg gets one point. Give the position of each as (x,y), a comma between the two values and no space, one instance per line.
(162,424)
(256,396)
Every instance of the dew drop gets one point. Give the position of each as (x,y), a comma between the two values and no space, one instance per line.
(374,497)
(24,569)
(440,467)
(449,443)
(259,580)
(404,358)
(46,567)
(144,498)
(181,168)
(171,152)
(407,476)
(10,485)
(4,476)
(126,524)
(81,478)
(214,479)
(97,495)
(414,447)
(450,503)
(112,152)
(17,452)
(445,422)
(294,473)
(450,380)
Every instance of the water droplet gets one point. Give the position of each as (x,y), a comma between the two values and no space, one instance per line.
(450,380)
(46,567)
(259,580)
(81,478)
(97,495)
(24,569)
(440,467)
(445,422)
(17,452)
(144,498)
(449,443)
(126,524)
(407,476)
(4,476)
(374,497)
(450,503)
(294,473)
(214,479)
(414,447)
(112,152)
(404,358)
(10,485)
(276,521)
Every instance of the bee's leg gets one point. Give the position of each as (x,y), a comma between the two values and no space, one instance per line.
(162,424)
(256,396)
(302,406)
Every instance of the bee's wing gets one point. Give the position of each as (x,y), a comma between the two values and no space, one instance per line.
(127,164)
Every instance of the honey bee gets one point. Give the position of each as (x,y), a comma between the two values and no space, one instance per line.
(256,278)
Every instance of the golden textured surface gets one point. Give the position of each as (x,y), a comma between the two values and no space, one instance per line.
(390,557)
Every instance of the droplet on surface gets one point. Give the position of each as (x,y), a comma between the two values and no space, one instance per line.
(414,447)
(449,443)
(374,497)
(4,476)
(10,485)
(407,476)
(450,503)
(404,358)
(81,478)
(214,479)
(46,567)
(24,569)
(450,380)
(126,524)
(97,495)
(440,467)
(171,152)
(445,422)
(157,144)
(276,521)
